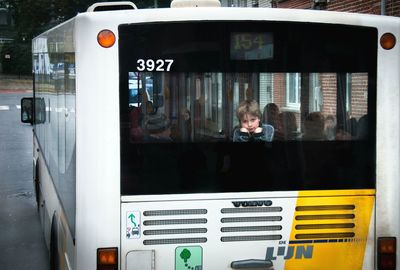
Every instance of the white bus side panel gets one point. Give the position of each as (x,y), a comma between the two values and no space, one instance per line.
(54,154)
(388,132)
(97,143)
(49,207)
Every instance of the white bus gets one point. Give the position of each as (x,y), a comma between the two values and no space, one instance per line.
(322,194)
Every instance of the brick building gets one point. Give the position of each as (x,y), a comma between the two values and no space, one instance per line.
(378,7)
(318,92)
(356,82)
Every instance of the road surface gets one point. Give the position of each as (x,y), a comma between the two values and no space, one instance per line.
(21,240)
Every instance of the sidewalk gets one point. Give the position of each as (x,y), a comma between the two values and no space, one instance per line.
(10,83)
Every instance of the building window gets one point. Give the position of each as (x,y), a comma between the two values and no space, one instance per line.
(237,3)
(293,91)
(266,86)
(315,94)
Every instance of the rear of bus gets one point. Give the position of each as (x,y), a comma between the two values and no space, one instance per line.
(198,200)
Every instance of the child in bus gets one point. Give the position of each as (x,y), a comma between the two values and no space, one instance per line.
(249,115)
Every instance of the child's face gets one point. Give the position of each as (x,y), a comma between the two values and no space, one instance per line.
(250,122)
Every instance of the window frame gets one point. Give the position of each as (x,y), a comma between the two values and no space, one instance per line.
(296,77)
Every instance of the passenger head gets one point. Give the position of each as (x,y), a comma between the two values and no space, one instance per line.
(315,126)
(330,127)
(249,114)
(271,114)
(289,125)
(185,114)
(362,129)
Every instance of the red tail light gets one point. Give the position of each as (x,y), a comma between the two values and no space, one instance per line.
(387,253)
(107,259)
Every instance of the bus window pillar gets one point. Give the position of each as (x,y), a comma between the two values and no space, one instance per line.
(304,97)
(341,110)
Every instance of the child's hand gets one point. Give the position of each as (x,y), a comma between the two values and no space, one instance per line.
(244,130)
(258,130)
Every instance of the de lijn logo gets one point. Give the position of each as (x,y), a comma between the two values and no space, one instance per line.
(290,252)
(189,258)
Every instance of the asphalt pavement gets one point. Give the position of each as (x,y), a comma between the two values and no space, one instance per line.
(22,244)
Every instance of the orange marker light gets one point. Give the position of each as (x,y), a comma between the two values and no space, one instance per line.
(106,38)
(388,41)
(386,253)
(107,258)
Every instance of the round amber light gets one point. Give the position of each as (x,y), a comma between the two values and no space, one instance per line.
(106,38)
(388,41)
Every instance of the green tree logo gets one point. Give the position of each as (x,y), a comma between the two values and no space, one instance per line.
(185,255)
(188,258)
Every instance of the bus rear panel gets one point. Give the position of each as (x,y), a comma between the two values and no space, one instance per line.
(199,200)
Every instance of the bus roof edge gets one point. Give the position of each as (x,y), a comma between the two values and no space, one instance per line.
(195,3)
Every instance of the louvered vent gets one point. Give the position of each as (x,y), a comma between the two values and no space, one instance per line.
(177,226)
(325,223)
(251,224)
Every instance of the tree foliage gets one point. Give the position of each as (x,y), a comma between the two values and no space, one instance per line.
(18,60)
(32,17)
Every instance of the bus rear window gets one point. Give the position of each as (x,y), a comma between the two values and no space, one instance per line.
(179,125)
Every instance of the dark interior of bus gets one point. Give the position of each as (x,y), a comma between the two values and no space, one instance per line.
(321,78)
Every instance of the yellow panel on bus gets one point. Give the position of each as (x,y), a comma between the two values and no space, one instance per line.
(329,231)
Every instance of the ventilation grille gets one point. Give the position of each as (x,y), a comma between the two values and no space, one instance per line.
(251,224)
(325,223)
(175,212)
(177,226)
